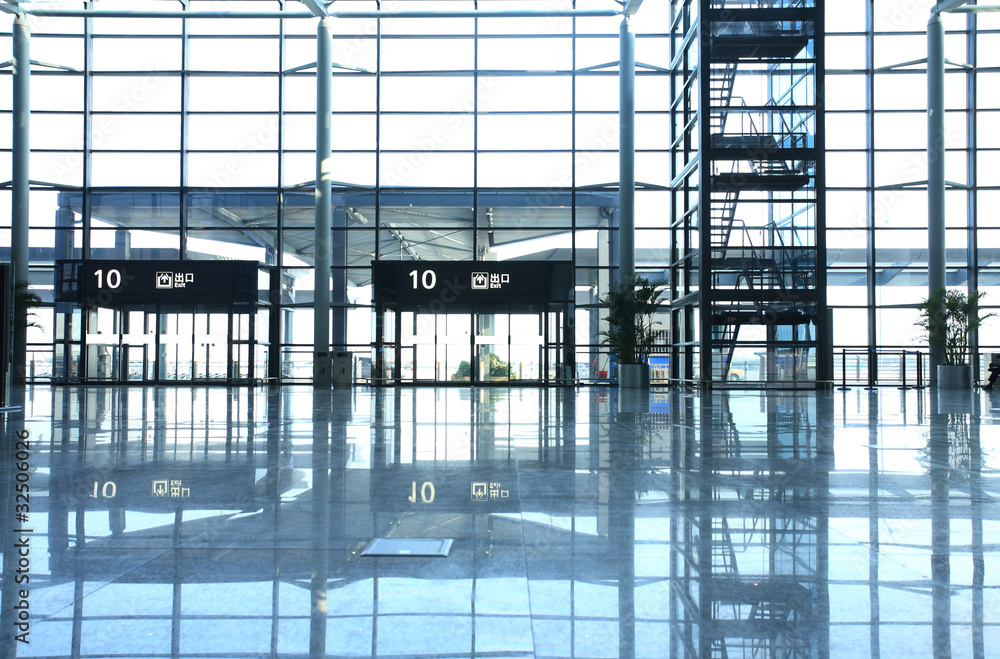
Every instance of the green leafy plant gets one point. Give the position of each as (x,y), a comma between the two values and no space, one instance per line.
(24,300)
(632,304)
(498,368)
(950,318)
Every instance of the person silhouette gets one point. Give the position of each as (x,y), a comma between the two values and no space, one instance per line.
(994,371)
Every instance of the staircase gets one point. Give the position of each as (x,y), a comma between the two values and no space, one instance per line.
(720,92)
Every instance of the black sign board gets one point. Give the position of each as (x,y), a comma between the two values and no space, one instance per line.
(163,486)
(110,283)
(477,488)
(444,284)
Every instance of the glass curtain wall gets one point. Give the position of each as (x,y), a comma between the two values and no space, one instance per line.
(195,139)
(458,138)
(877,171)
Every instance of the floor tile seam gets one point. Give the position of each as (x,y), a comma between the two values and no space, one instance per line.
(106,584)
(524,558)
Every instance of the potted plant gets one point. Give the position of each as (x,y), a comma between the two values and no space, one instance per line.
(950,317)
(631,304)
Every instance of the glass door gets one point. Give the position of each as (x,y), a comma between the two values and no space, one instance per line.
(526,341)
(425,361)
(103,341)
(176,354)
(492,348)
(211,346)
(454,347)
(138,343)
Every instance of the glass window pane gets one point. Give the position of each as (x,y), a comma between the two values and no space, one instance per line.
(852,330)
(902,91)
(989,82)
(434,132)
(137,209)
(147,93)
(518,169)
(596,168)
(62,50)
(137,54)
(359,49)
(249,245)
(428,54)
(845,92)
(598,51)
(427,94)
(136,131)
(53,131)
(219,170)
(240,209)
(845,16)
(59,167)
(533,94)
(233,54)
(596,132)
(63,92)
(847,170)
(540,54)
(901,130)
(652,168)
(847,130)
(597,93)
(254,132)
(845,52)
(523,131)
(424,169)
(123,169)
(243,93)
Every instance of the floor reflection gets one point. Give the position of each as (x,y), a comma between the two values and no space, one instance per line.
(586,523)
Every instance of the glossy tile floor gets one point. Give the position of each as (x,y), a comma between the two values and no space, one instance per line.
(212,522)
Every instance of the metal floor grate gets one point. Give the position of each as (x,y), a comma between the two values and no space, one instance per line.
(408,547)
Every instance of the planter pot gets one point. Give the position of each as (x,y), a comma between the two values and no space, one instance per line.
(633,376)
(633,401)
(954,377)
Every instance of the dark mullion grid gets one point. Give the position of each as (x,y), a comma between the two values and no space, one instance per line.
(475,148)
(279,240)
(870,289)
(185,140)
(972,152)
(378,154)
(572,174)
(88,100)
(705,299)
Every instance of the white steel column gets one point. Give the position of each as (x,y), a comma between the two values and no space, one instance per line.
(935,180)
(322,376)
(626,151)
(19,179)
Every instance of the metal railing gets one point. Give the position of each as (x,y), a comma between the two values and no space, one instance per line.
(905,369)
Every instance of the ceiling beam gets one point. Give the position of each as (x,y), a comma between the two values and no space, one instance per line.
(317,7)
(632,6)
(948,5)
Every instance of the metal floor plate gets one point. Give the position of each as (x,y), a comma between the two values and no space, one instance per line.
(408,547)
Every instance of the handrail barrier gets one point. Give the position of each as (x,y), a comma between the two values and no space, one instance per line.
(904,369)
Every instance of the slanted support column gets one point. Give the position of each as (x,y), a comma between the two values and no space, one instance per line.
(935,175)
(626,150)
(322,376)
(19,178)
